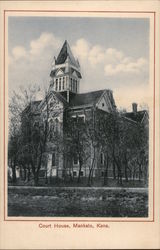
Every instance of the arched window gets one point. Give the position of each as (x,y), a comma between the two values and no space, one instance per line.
(51,126)
(56,125)
(56,85)
(59,84)
(53,159)
(63,81)
(70,82)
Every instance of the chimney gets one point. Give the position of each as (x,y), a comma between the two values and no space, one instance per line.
(134,107)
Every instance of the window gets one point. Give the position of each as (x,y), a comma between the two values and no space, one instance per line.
(56,125)
(51,104)
(81,173)
(36,124)
(74,173)
(73,85)
(56,84)
(102,158)
(76,85)
(51,125)
(102,174)
(60,84)
(63,82)
(53,159)
(75,159)
(81,118)
(102,104)
(70,85)
(74,119)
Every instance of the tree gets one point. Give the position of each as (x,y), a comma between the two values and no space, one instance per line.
(76,142)
(93,136)
(40,129)
(17,103)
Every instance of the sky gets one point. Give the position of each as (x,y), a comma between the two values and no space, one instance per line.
(113,53)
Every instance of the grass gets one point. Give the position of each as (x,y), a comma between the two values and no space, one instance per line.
(99,182)
(86,202)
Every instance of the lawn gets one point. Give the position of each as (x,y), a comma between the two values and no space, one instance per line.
(86,202)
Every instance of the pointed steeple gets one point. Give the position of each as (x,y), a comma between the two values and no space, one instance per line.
(64,53)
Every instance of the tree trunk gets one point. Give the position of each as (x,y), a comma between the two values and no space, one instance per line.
(114,170)
(14,178)
(125,172)
(29,173)
(89,183)
(21,173)
(106,172)
(139,172)
(114,165)
(79,174)
(125,168)
(25,174)
(118,163)
(36,179)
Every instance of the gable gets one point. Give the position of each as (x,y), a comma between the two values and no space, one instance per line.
(104,102)
(53,103)
(59,72)
(74,74)
(103,105)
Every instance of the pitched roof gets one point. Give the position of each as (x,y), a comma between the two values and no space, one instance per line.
(137,117)
(86,98)
(66,51)
(32,107)
(61,98)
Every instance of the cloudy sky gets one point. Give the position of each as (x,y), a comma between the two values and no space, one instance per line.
(113,53)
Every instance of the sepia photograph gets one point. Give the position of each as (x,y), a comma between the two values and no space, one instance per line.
(78,116)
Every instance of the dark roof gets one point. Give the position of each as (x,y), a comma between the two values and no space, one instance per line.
(61,98)
(78,73)
(36,103)
(66,51)
(89,98)
(137,117)
(32,107)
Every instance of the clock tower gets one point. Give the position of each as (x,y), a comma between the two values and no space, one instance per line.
(65,74)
